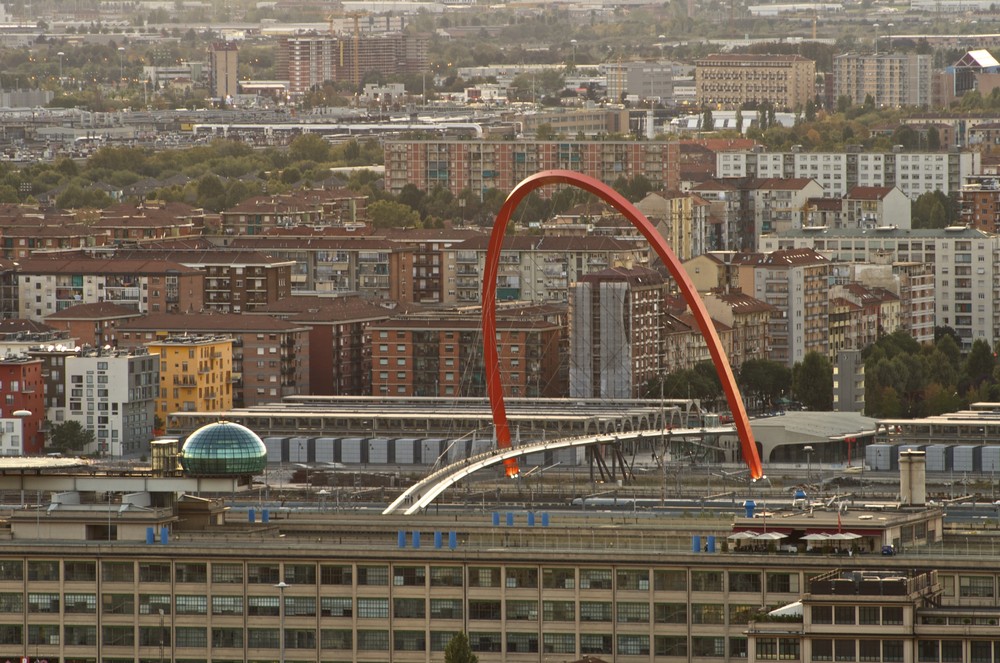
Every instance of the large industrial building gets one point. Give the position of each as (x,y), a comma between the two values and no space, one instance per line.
(152,567)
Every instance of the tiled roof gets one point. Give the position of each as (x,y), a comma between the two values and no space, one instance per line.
(208,323)
(78,265)
(95,311)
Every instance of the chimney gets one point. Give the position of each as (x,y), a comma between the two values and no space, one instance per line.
(913,477)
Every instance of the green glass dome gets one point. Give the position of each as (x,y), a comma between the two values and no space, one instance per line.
(223,449)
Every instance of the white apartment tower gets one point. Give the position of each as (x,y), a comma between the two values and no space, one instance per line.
(112,393)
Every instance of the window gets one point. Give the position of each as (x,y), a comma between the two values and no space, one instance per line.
(975,586)
(633,613)
(191,636)
(670,580)
(80,603)
(191,605)
(373,608)
(558,643)
(118,636)
(708,613)
(373,640)
(598,611)
(706,581)
(300,574)
(11,602)
(670,613)
(80,571)
(336,639)
(227,605)
(488,610)
(409,641)
(262,606)
(80,635)
(520,643)
(559,578)
(155,572)
(409,576)
(408,608)
(595,643)
(43,570)
(117,604)
(822,614)
(843,614)
(40,603)
(446,609)
(524,610)
(740,581)
(373,575)
(118,571)
(263,574)
(558,611)
(227,573)
(152,604)
(633,579)
(670,645)
(480,576)
(595,579)
(446,576)
(522,577)
(302,606)
(335,575)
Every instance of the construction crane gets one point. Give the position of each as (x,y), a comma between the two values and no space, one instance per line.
(356,15)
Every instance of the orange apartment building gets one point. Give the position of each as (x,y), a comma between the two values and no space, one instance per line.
(196,374)
(480,165)
(440,353)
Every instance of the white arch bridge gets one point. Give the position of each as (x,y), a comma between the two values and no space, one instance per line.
(423,493)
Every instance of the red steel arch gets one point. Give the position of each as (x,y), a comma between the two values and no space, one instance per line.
(489,323)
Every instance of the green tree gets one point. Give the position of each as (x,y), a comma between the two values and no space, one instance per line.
(69,437)
(763,382)
(707,121)
(389,214)
(979,365)
(459,650)
(309,147)
(812,382)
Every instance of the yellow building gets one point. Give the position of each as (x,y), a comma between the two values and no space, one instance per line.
(729,81)
(196,374)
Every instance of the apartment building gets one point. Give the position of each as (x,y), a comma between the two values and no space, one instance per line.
(963,262)
(311,208)
(310,60)
(112,393)
(270,357)
(980,202)
(340,342)
(235,280)
(892,80)
(747,320)
(796,284)
(479,165)
(22,411)
(48,285)
(196,374)
(92,324)
(781,204)
(616,333)
(541,269)
(224,70)
(440,353)
(914,173)
(376,267)
(683,220)
(589,122)
(127,223)
(729,81)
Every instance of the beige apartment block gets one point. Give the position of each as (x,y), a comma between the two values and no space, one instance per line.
(727,81)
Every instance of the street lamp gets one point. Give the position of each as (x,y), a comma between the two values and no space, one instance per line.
(281,619)
(60,54)
(875,26)
(889,30)
(573,41)
(121,64)
(809,454)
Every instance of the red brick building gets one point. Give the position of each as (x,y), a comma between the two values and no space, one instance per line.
(92,324)
(340,354)
(22,408)
(440,353)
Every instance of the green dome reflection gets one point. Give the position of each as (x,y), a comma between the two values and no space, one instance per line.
(223,449)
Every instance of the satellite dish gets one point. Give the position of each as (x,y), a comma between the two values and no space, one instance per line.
(22,413)
(76,349)
(107,347)
(50,348)
(60,347)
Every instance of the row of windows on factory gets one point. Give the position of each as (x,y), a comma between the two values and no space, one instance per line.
(402,575)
